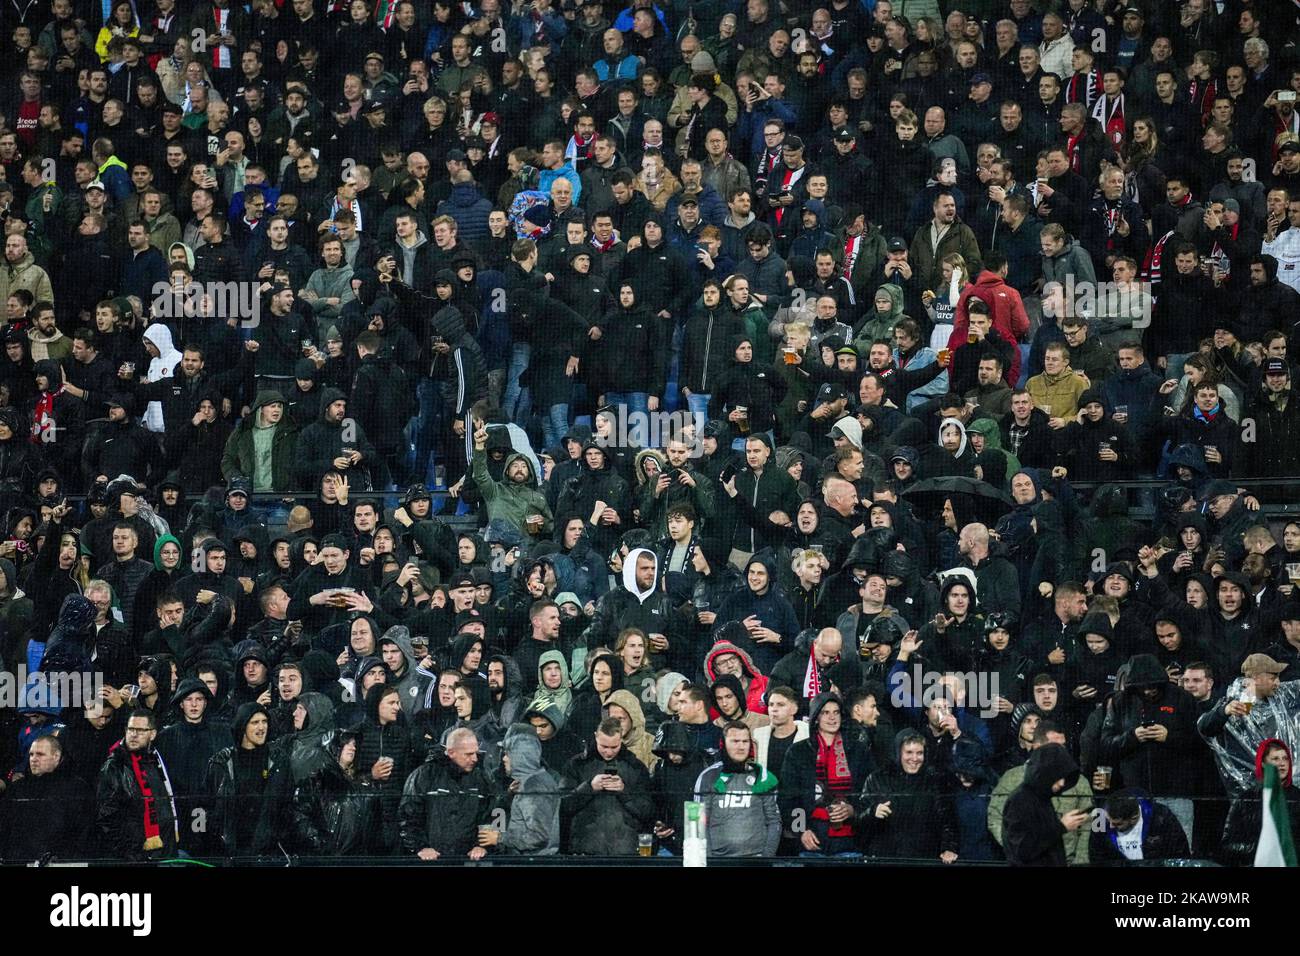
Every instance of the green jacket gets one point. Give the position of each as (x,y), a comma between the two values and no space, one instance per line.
(880,325)
(509,500)
(927,261)
(240,457)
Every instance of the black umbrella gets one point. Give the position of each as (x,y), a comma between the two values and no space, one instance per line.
(987,501)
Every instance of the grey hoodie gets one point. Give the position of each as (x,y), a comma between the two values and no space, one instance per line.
(533,825)
(408,257)
(414,682)
(743,817)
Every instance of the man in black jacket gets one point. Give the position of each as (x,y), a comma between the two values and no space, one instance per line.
(1031,827)
(186,746)
(763,500)
(44,813)
(1266,303)
(244,786)
(1026,433)
(135,813)
(819,799)
(382,398)
(334,441)
(609,803)
(445,801)
(126,572)
(119,446)
(1150,731)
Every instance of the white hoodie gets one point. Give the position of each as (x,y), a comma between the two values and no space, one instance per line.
(164,366)
(629,574)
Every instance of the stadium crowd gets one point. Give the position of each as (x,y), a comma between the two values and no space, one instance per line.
(335,339)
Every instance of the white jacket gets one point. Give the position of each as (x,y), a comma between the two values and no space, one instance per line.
(1286,249)
(1057,56)
(763,736)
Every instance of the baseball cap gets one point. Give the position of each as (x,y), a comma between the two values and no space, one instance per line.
(979,78)
(374,106)
(1275,366)
(690,198)
(1290,146)
(375,55)
(896,244)
(830,392)
(456,155)
(462,580)
(1217,489)
(1260,664)
(335,541)
(96,184)
(845,135)
(342,106)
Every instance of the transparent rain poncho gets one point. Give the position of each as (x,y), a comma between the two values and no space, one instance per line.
(1234,749)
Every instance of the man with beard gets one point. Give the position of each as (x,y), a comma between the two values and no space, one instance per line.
(136,814)
(744,819)
(505,681)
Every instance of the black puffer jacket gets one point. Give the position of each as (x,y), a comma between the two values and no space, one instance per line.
(336,813)
(605,823)
(442,807)
(922,822)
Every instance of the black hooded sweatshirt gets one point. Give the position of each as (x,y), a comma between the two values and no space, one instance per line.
(1031,828)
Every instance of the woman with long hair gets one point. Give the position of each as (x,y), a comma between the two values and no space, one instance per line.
(122,22)
(1143,161)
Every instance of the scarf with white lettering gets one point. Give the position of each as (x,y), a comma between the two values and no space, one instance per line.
(1110,114)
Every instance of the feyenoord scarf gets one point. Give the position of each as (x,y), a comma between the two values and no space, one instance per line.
(1110,114)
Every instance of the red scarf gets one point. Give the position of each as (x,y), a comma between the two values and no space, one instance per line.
(604,246)
(812,678)
(43,417)
(833,774)
(1072,147)
(1203,94)
(1084,88)
(152,833)
(851,246)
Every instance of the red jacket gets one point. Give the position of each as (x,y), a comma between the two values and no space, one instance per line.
(1008,312)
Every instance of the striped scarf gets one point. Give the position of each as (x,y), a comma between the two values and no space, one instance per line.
(833,774)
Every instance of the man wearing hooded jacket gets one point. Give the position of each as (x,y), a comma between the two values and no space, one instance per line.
(1032,829)
(821,778)
(186,746)
(245,786)
(744,819)
(640,603)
